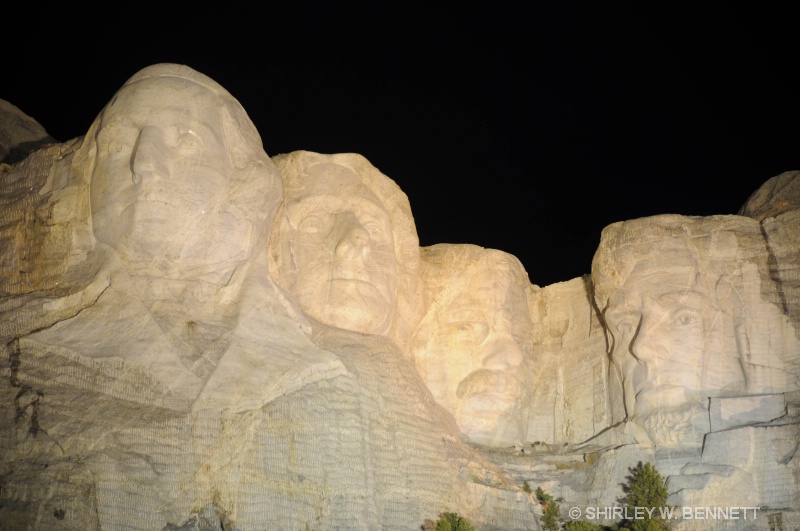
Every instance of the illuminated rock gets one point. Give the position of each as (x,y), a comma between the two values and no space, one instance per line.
(159,377)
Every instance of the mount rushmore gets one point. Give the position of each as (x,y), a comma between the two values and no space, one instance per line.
(197,333)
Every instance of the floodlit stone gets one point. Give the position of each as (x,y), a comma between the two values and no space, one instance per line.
(197,335)
(687,304)
(473,347)
(764,473)
(162,378)
(569,397)
(345,244)
(778,195)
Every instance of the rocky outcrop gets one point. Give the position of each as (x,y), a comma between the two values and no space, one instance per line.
(199,336)
(20,135)
(154,375)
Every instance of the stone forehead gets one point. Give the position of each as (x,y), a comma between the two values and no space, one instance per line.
(173,78)
(713,243)
(449,271)
(306,173)
(443,262)
(176,71)
(242,139)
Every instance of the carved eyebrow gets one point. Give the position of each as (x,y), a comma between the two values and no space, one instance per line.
(684,297)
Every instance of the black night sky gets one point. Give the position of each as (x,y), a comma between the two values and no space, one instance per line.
(521,129)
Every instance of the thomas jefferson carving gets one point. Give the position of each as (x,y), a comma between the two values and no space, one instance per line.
(345,244)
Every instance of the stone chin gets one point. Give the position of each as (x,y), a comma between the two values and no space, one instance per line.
(352,305)
(487,407)
(489,428)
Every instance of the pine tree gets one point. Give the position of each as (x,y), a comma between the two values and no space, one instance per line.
(453,522)
(645,489)
(542,496)
(552,514)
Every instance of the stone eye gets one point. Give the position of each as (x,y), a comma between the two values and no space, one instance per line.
(310,225)
(685,319)
(189,142)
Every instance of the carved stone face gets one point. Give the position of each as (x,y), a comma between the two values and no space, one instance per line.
(472,351)
(163,178)
(662,319)
(693,310)
(673,345)
(342,249)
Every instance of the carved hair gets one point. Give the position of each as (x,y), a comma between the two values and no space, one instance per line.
(730,256)
(242,141)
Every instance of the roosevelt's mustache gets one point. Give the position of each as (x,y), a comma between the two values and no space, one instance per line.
(485,381)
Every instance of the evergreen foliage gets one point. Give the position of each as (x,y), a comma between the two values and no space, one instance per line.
(527,487)
(542,496)
(552,514)
(453,522)
(645,488)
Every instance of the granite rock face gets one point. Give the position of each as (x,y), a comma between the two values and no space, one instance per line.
(473,347)
(570,396)
(199,336)
(705,353)
(345,246)
(20,135)
(156,377)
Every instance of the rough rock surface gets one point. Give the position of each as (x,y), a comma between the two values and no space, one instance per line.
(155,377)
(20,135)
(569,402)
(274,350)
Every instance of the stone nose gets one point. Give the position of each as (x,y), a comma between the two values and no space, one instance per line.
(625,335)
(149,159)
(353,240)
(642,340)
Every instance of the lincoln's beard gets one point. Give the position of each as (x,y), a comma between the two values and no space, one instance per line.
(680,427)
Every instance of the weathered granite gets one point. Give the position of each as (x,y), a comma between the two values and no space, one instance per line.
(697,328)
(473,347)
(570,396)
(20,135)
(745,410)
(156,377)
(688,303)
(199,336)
(345,245)
(777,195)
